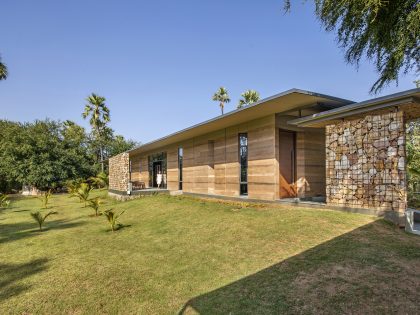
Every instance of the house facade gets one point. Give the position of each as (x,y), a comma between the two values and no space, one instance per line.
(296,145)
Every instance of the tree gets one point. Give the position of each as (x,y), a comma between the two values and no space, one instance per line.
(99,117)
(44,154)
(222,97)
(3,71)
(248,97)
(119,144)
(386,32)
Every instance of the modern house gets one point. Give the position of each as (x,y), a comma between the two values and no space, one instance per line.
(296,144)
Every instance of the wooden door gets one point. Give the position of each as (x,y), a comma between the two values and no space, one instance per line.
(287,162)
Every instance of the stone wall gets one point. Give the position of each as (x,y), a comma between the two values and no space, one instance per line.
(119,169)
(365,163)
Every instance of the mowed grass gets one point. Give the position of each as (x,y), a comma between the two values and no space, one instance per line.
(185,255)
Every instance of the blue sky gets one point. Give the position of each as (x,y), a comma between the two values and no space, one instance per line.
(159,62)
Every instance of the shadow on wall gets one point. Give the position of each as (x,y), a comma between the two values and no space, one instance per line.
(373,269)
(11,274)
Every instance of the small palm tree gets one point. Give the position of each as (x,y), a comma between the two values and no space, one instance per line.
(3,71)
(72,186)
(248,97)
(94,204)
(99,116)
(45,198)
(222,97)
(112,218)
(83,192)
(4,201)
(100,180)
(40,219)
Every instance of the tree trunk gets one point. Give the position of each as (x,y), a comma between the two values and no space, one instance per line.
(102,158)
(221,107)
(101,151)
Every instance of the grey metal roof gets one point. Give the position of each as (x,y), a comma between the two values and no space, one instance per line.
(357,108)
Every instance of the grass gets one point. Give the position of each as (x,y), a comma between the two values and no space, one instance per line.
(184,255)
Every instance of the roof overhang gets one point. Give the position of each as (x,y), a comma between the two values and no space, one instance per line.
(407,99)
(293,99)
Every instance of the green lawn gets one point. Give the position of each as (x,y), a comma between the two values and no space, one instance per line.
(179,254)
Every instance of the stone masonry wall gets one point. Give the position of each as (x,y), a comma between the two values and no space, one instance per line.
(365,163)
(119,172)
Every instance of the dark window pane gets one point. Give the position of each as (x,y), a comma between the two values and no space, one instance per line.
(244,189)
(243,161)
(180,165)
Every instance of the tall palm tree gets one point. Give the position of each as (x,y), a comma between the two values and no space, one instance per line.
(222,97)
(99,116)
(248,97)
(3,71)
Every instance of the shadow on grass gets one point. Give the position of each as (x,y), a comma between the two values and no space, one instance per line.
(372,269)
(119,227)
(12,274)
(18,231)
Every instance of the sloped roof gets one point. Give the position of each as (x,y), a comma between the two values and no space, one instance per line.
(292,99)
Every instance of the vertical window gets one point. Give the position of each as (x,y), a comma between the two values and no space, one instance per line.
(243,160)
(180,162)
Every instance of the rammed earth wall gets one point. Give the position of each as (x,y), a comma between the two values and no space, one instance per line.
(119,169)
(365,163)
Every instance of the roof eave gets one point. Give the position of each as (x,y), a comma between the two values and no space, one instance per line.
(397,99)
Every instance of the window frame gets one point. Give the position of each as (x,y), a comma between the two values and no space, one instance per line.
(243,185)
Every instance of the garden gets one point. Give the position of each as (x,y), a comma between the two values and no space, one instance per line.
(177,254)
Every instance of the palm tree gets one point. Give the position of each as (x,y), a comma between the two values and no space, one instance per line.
(248,97)
(99,116)
(95,204)
(40,219)
(222,97)
(3,71)
(82,192)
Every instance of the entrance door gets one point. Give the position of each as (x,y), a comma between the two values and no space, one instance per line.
(287,162)
(157,169)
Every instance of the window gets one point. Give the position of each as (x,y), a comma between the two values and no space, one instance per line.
(180,161)
(243,160)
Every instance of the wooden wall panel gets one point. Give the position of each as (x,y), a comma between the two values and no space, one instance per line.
(211,162)
(262,159)
(310,156)
(172,168)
